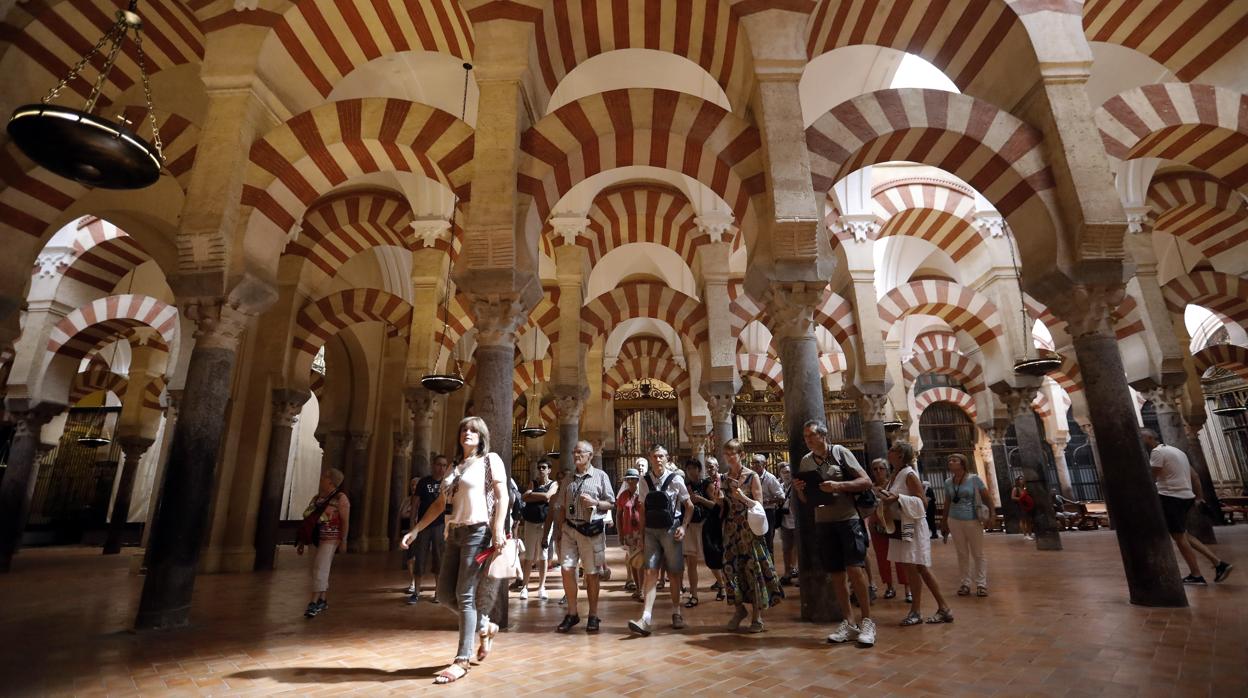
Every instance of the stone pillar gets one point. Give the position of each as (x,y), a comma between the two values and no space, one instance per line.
(569,401)
(721,423)
(132,448)
(400,475)
(334,450)
(1005,480)
(421,403)
(178,529)
(1147,552)
(1063,470)
(1168,402)
(286,407)
(874,408)
(356,484)
(17,488)
(1031,448)
(158,480)
(790,310)
(1196,452)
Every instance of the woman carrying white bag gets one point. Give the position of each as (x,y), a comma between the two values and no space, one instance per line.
(903,509)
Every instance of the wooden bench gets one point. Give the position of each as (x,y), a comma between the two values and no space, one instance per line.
(1097,515)
(1232,506)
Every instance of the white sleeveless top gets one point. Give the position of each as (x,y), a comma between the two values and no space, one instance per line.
(465,488)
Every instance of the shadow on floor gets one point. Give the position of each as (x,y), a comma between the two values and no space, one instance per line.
(723,641)
(336,675)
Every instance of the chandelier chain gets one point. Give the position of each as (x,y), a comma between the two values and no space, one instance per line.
(119,34)
(147,95)
(77,69)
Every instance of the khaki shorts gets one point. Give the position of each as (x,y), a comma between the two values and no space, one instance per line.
(577,548)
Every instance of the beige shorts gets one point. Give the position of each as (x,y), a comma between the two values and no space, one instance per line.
(577,548)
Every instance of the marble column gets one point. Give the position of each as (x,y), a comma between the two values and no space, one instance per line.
(1148,555)
(1100,472)
(1063,469)
(132,449)
(874,408)
(569,403)
(178,529)
(1031,449)
(286,407)
(721,423)
(421,403)
(1196,452)
(400,475)
(356,483)
(1005,480)
(1168,403)
(17,488)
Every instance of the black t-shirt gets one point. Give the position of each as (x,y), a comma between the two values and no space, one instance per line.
(428,488)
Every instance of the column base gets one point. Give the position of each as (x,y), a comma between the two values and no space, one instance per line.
(1048,540)
(819,604)
(169,619)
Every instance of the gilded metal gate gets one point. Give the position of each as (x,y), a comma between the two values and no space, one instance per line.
(75,482)
(945,430)
(639,425)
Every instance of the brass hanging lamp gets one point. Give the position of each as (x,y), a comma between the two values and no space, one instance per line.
(1227,406)
(85,147)
(533,403)
(892,422)
(1036,361)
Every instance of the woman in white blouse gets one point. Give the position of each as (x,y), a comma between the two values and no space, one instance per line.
(904,505)
(476,490)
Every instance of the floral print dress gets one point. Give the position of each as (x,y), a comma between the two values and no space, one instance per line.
(749,572)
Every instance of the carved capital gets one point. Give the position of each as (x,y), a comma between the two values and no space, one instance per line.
(720,406)
(218,323)
(568,227)
(874,407)
(51,264)
(568,408)
(421,402)
(1137,220)
(994,226)
(1088,309)
(402,444)
(790,309)
(359,441)
(285,411)
(28,423)
(863,229)
(1018,399)
(430,230)
(134,447)
(1166,399)
(496,318)
(717,224)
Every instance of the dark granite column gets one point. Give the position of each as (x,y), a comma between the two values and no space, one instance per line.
(873,414)
(286,407)
(178,529)
(356,483)
(1148,555)
(1196,452)
(721,423)
(421,403)
(132,449)
(1168,403)
(400,475)
(1005,480)
(18,486)
(569,403)
(1031,452)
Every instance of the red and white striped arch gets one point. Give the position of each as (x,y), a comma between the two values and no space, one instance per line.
(1199,209)
(457,320)
(962,308)
(545,315)
(991,150)
(833,363)
(834,313)
(527,373)
(949,363)
(930,210)
(636,299)
(318,150)
(640,213)
(764,367)
(316,384)
(47,38)
(151,393)
(1224,294)
(1068,375)
(96,377)
(86,328)
(328,39)
(935,340)
(658,128)
(321,319)
(943,394)
(102,255)
(343,225)
(1231,357)
(1187,37)
(1198,125)
(955,235)
(638,367)
(960,38)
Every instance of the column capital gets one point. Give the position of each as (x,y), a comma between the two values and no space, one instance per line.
(863,227)
(568,408)
(719,225)
(790,308)
(219,324)
(1018,399)
(720,405)
(1166,399)
(874,407)
(568,226)
(1087,309)
(497,317)
(359,440)
(992,224)
(420,401)
(1059,444)
(286,408)
(134,446)
(430,230)
(31,420)
(402,442)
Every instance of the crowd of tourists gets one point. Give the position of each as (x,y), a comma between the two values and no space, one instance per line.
(473,527)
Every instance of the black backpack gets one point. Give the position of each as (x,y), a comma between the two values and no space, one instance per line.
(535,512)
(516,510)
(660,504)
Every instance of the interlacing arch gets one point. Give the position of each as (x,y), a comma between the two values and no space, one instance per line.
(458,322)
(960,37)
(949,363)
(634,213)
(645,357)
(636,299)
(952,396)
(764,367)
(102,255)
(86,328)
(345,224)
(1199,209)
(314,152)
(96,377)
(328,39)
(1231,357)
(934,340)
(1187,37)
(152,393)
(1221,293)
(658,128)
(834,313)
(961,308)
(527,373)
(1199,125)
(321,319)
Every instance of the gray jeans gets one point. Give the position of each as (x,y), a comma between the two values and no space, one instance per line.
(458,578)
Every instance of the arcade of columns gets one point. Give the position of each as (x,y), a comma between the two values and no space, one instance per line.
(292,157)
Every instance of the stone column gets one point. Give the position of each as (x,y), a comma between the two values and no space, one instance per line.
(1168,402)
(790,310)
(356,483)
(1031,448)
(286,407)
(1005,480)
(174,398)
(17,488)
(178,529)
(421,403)
(874,408)
(721,422)
(569,401)
(400,475)
(1063,470)
(132,448)
(1147,552)
(1196,452)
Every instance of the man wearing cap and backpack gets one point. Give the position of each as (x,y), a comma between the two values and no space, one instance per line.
(666,510)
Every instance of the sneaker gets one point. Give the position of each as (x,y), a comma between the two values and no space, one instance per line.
(1222,571)
(568,621)
(866,633)
(592,625)
(563,601)
(433,599)
(322,606)
(678,621)
(542,595)
(413,599)
(845,632)
(909,597)
(411,588)
(311,610)
(1194,579)
(640,627)
(964,590)
(524,593)
(872,592)
(629,586)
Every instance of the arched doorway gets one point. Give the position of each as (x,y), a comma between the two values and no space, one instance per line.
(646,413)
(945,430)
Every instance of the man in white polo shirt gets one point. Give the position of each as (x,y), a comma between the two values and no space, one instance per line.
(1179,489)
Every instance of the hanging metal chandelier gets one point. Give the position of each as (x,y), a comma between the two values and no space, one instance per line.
(1228,406)
(83,146)
(1036,361)
(533,406)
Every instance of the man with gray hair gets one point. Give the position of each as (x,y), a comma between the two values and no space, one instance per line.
(580,532)
(1179,490)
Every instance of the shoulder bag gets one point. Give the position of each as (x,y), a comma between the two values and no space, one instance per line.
(864,501)
(309,532)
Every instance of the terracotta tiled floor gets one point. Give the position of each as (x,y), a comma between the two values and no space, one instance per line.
(1056,624)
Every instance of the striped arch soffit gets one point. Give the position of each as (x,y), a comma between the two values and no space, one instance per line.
(948,363)
(646,357)
(1223,294)
(961,308)
(314,152)
(32,198)
(102,255)
(659,128)
(1126,319)
(764,367)
(83,330)
(635,213)
(991,150)
(1231,357)
(637,299)
(326,40)
(1203,126)
(935,340)
(834,313)
(316,384)
(50,37)
(1187,37)
(95,378)
(959,38)
(152,392)
(951,395)
(566,34)
(1199,209)
(941,215)
(321,319)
